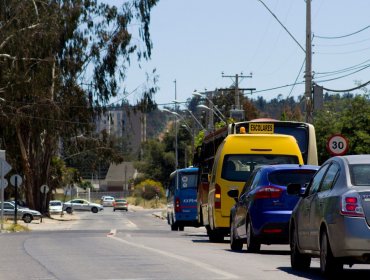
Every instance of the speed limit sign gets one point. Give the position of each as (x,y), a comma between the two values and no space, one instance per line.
(337,145)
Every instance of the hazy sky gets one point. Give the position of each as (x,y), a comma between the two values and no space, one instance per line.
(195,40)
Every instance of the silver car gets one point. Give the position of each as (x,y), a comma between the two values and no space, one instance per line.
(24,213)
(81,205)
(332,219)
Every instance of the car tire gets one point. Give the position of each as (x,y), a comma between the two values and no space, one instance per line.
(181,228)
(235,244)
(94,210)
(253,246)
(298,261)
(69,210)
(174,227)
(27,218)
(329,265)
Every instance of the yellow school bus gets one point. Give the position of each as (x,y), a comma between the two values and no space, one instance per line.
(236,157)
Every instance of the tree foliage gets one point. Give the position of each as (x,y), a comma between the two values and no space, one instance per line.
(60,63)
(349,116)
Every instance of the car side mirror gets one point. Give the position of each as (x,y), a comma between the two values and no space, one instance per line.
(294,189)
(234,193)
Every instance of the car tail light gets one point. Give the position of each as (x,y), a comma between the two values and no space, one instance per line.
(351,205)
(268,192)
(177,205)
(217,196)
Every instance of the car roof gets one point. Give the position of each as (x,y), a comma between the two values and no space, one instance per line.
(354,159)
(288,167)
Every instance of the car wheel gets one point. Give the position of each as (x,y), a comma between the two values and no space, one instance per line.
(235,244)
(253,246)
(174,227)
(94,210)
(27,218)
(181,228)
(69,210)
(328,264)
(298,261)
(114,210)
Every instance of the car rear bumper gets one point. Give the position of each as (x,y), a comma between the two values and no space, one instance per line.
(350,237)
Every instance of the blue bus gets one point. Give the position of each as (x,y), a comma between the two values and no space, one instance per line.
(182,199)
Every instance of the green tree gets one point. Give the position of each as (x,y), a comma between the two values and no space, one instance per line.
(60,63)
(349,116)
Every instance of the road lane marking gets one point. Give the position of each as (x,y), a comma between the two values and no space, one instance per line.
(224,274)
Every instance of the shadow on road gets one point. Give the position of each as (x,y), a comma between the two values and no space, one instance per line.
(314,273)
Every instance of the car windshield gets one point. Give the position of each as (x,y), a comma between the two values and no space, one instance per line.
(120,200)
(360,174)
(55,203)
(285,177)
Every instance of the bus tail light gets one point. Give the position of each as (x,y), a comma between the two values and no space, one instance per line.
(217,196)
(268,192)
(177,205)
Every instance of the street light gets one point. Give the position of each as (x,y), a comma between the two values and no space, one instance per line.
(176,152)
(221,117)
(195,93)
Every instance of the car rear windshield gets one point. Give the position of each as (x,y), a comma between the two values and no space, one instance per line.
(285,177)
(360,174)
(239,167)
(55,203)
(120,200)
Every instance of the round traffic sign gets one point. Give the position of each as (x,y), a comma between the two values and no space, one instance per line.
(16,180)
(337,145)
(44,189)
(3,183)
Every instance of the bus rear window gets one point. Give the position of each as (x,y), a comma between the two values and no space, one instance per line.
(188,180)
(239,167)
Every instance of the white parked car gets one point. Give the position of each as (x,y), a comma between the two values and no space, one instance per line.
(107,200)
(81,205)
(26,214)
(55,206)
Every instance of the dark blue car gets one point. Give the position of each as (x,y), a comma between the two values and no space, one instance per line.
(263,208)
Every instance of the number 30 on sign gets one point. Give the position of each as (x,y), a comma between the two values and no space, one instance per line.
(337,145)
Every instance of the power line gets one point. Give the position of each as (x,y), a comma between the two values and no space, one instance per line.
(347,90)
(295,40)
(343,36)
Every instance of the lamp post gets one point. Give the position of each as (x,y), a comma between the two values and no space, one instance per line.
(176,151)
(221,117)
(214,107)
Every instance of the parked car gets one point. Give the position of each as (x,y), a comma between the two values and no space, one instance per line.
(331,220)
(262,211)
(107,200)
(26,214)
(120,204)
(81,205)
(55,206)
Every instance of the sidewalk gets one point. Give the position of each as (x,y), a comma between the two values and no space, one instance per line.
(55,222)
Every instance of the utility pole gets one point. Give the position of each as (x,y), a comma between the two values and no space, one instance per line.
(176,144)
(308,74)
(238,112)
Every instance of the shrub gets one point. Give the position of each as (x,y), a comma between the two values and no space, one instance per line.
(148,189)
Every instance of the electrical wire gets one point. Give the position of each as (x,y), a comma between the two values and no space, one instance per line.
(343,36)
(347,90)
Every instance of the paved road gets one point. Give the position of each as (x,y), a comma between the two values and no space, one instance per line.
(137,245)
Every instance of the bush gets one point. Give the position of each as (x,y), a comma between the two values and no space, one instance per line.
(148,190)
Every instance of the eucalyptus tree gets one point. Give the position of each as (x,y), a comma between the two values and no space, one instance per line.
(60,63)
